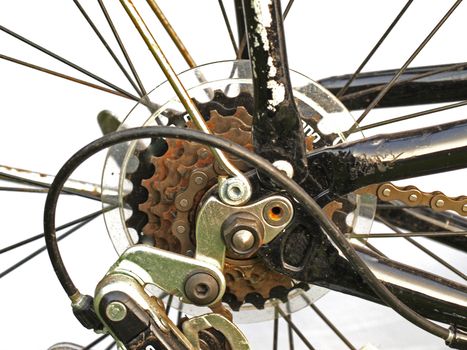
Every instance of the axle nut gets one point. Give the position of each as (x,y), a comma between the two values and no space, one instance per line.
(243,234)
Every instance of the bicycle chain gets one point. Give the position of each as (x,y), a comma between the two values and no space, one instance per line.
(167,192)
(412,196)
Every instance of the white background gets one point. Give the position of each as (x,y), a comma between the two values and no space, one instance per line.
(45,119)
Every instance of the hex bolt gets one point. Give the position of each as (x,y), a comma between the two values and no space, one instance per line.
(413,197)
(234,191)
(116,311)
(243,234)
(183,202)
(386,192)
(180,229)
(201,288)
(243,240)
(439,203)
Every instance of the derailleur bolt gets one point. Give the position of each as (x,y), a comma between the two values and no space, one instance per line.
(116,311)
(201,288)
(234,190)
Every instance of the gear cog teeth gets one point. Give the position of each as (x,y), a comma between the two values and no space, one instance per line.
(171,226)
(242,114)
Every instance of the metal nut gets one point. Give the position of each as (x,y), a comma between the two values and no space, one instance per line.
(234,191)
(201,288)
(243,234)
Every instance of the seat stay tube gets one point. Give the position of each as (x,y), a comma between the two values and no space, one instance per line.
(277,128)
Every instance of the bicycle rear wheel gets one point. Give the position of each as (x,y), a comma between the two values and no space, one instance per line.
(78,126)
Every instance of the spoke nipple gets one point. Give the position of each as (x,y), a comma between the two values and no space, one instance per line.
(386,192)
(413,197)
(439,203)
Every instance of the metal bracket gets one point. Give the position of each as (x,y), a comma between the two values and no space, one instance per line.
(166,270)
(234,336)
(122,283)
(210,245)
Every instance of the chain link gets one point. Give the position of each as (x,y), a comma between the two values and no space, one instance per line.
(412,196)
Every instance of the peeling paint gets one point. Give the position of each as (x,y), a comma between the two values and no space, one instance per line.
(263,19)
(278,94)
(272,68)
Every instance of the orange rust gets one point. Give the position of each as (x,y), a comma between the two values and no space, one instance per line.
(172,178)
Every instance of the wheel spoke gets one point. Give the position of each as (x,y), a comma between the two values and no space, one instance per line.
(122,46)
(173,35)
(368,244)
(287,8)
(332,326)
(62,227)
(399,207)
(405,234)
(23,189)
(295,329)
(290,333)
(425,250)
(60,75)
(40,250)
(275,330)
(68,63)
(33,178)
(388,86)
(169,304)
(374,49)
(111,345)
(95,342)
(228,26)
(107,46)
(179,314)
(409,116)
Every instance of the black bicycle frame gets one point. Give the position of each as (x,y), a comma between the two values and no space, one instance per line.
(416,86)
(304,252)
